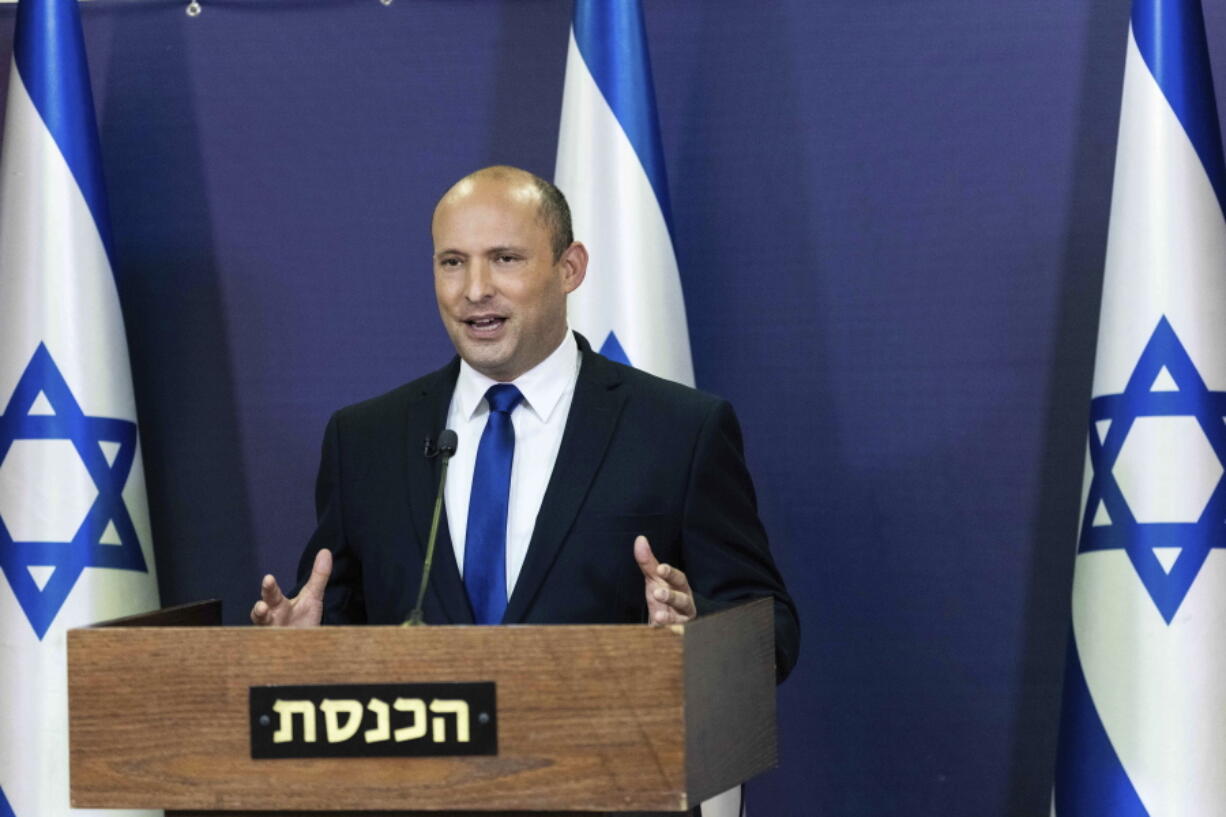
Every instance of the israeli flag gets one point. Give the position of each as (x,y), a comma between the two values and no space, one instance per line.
(1143,728)
(74,525)
(611,168)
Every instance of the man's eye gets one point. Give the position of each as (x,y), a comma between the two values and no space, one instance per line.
(449,262)
(506,259)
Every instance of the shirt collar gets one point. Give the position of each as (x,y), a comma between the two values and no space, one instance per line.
(542,386)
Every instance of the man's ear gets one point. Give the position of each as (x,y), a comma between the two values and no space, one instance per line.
(574,266)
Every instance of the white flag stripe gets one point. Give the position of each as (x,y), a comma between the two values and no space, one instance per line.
(56,287)
(1157,687)
(1166,243)
(633,286)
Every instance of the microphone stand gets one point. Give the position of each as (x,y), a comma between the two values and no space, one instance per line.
(446,447)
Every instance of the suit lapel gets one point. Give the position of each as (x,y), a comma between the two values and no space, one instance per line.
(589,427)
(426,416)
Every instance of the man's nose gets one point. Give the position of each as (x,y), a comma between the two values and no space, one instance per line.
(479,284)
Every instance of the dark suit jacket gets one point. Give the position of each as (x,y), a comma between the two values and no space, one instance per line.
(639,455)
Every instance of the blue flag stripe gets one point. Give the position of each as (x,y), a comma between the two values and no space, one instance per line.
(49,50)
(1090,781)
(1170,35)
(612,38)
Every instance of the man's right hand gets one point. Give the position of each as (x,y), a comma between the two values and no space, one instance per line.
(304,610)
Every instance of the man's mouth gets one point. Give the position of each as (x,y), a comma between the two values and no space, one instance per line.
(485,324)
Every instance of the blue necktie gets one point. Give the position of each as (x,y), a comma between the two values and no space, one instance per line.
(485,545)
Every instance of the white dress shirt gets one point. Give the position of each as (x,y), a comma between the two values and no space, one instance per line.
(538,419)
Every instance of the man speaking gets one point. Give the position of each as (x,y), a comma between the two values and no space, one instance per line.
(581,491)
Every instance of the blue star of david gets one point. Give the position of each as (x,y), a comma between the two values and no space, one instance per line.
(613,350)
(86,549)
(1196,539)
(5,809)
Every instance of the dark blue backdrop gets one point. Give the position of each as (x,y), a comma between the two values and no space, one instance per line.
(890,219)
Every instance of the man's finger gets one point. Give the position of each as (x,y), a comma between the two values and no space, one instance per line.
(672,575)
(668,615)
(320,571)
(260,613)
(645,558)
(270,591)
(665,596)
(683,603)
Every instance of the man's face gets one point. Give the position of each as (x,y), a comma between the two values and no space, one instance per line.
(501,295)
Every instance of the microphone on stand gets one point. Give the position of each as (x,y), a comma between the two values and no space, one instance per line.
(444,448)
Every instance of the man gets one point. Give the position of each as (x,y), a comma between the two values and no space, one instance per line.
(581,491)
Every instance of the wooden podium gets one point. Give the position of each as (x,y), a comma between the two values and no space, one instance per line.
(602,719)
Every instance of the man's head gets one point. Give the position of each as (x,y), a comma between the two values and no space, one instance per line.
(504,262)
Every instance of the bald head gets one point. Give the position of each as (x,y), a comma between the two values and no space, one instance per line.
(517,184)
(502,270)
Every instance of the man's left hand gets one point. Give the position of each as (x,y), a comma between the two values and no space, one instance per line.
(669,598)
